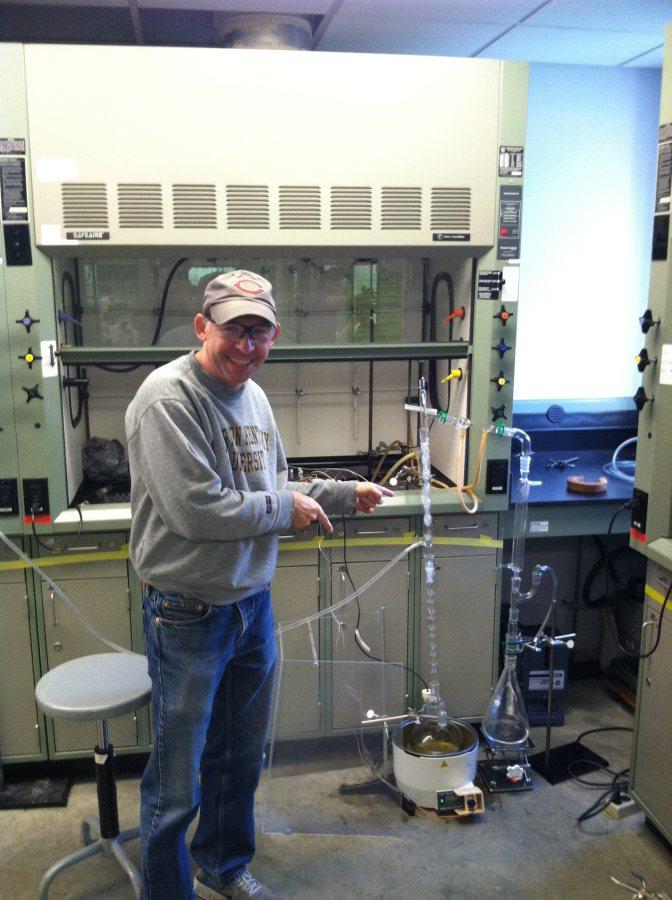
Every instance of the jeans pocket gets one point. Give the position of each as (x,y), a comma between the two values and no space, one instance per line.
(180,611)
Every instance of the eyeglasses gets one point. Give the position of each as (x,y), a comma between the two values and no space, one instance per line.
(258,334)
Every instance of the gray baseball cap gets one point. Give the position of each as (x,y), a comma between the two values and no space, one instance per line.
(238,293)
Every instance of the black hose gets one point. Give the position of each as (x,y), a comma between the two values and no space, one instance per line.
(164,298)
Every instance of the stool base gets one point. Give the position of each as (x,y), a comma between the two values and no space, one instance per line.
(112,847)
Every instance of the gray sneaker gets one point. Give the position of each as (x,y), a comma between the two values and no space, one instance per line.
(246,885)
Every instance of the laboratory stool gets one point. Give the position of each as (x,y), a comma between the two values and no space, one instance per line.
(97,688)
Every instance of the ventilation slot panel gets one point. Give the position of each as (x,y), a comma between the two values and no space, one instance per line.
(84,206)
(247,206)
(140,205)
(194,206)
(450,209)
(350,208)
(300,207)
(401,208)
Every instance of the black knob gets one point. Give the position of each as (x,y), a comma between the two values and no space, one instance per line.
(643,360)
(27,321)
(503,315)
(501,348)
(641,399)
(29,357)
(500,380)
(647,321)
(33,393)
(498,412)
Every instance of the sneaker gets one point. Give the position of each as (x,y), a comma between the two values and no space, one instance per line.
(245,885)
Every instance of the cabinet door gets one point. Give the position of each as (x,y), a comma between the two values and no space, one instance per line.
(19,734)
(105,604)
(383,627)
(652,762)
(295,595)
(465,621)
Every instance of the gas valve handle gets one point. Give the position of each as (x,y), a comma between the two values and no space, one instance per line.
(642,360)
(503,315)
(647,321)
(641,399)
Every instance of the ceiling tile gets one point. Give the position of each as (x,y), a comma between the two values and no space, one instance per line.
(651,60)
(570,46)
(648,16)
(364,33)
(284,7)
(494,12)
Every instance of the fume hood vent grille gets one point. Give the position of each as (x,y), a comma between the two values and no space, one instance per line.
(247,206)
(300,207)
(140,205)
(451,209)
(401,207)
(350,208)
(84,205)
(194,206)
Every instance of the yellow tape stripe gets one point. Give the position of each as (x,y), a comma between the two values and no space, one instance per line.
(655,595)
(44,562)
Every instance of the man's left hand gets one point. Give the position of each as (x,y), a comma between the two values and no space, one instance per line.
(368,496)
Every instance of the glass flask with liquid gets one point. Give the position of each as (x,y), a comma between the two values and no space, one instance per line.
(506,725)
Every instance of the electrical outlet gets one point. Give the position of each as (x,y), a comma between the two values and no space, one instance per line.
(621,809)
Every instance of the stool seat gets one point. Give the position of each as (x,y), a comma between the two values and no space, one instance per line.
(96,687)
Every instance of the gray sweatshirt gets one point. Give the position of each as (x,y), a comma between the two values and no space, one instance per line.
(209,490)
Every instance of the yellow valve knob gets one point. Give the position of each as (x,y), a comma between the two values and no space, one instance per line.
(454,373)
(29,358)
(501,382)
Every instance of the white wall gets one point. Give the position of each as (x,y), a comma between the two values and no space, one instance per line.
(587,225)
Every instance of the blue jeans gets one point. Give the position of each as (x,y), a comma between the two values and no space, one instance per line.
(212,675)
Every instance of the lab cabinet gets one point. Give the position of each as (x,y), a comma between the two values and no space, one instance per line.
(466,612)
(19,718)
(651,765)
(100,591)
(380,613)
(295,593)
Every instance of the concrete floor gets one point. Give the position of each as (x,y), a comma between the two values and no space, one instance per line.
(526,845)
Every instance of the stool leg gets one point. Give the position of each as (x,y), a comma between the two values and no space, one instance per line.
(65,863)
(123,860)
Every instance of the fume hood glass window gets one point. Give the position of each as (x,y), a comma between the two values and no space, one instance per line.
(140,302)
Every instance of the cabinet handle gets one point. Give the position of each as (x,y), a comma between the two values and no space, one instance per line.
(78,548)
(371,533)
(463,527)
(644,648)
(54,620)
(662,582)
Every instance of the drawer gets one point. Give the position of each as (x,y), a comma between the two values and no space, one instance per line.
(371,531)
(288,556)
(464,528)
(12,576)
(87,545)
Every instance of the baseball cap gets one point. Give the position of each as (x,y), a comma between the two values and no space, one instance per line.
(238,293)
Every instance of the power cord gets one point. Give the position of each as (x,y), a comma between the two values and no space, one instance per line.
(63,549)
(615,787)
(628,505)
(359,640)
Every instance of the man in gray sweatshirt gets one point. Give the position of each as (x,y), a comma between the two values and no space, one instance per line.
(209,497)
